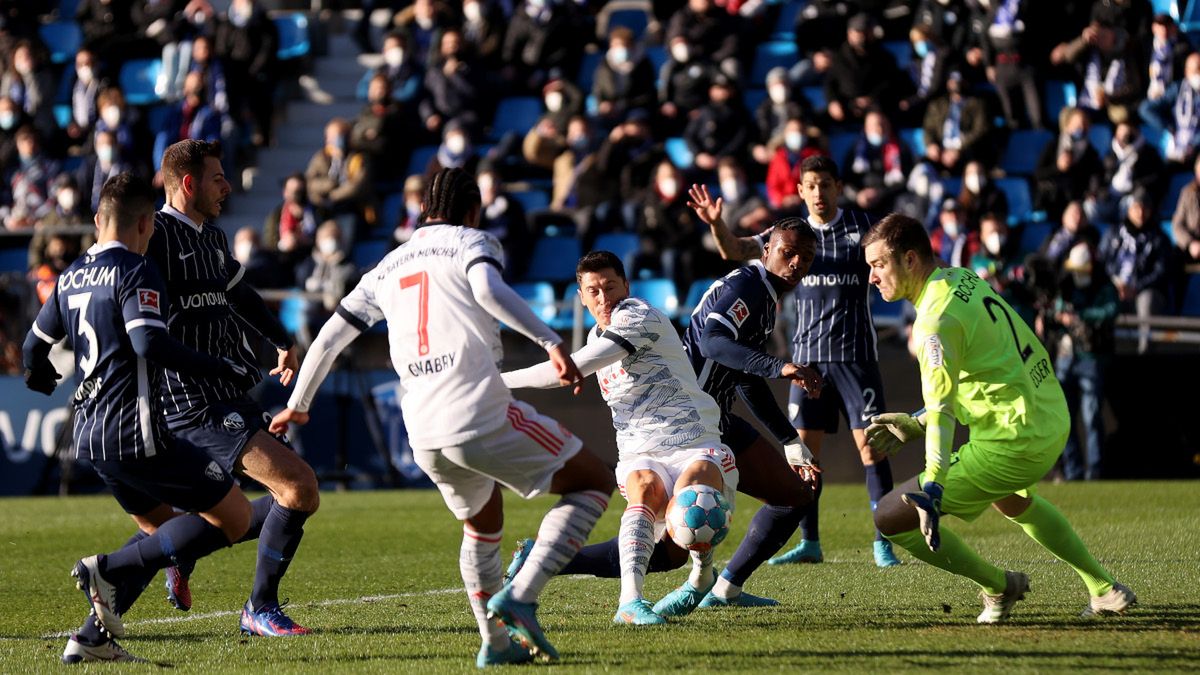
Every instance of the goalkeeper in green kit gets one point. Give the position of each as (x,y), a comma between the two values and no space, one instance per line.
(983,367)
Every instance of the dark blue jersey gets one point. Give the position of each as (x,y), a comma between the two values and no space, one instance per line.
(833,304)
(98,300)
(200,273)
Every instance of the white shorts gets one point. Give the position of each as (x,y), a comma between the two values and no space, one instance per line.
(523,455)
(669,465)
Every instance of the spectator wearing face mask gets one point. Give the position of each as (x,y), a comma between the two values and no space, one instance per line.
(1135,255)
(542,34)
(669,239)
(773,114)
(84,91)
(624,79)
(980,195)
(745,211)
(1178,113)
(927,72)
(11,119)
(579,185)
(957,127)
(456,152)
(453,90)
(547,140)
(955,242)
(1081,335)
(262,266)
(117,119)
(711,30)
(327,272)
(783,173)
(683,84)
(98,167)
(1131,164)
(247,42)
(410,215)
(504,218)
(289,228)
(339,181)
(995,261)
(213,73)
(399,68)
(1067,165)
(191,118)
(1074,229)
(1185,223)
(379,131)
(30,86)
(877,166)
(68,210)
(422,21)
(25,193)
(483,29)
(720,129)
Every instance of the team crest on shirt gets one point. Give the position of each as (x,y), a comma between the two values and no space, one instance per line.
(148,300)
(739,312)
(234,422)
(853,237)
(213,471)
(933,350)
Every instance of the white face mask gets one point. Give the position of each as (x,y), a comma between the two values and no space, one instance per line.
(679,52)
(327,246)
(554,101)
(875,140)
(1194,81)
(473,11)
(456,144)
(7,120)
(425,22)
(1082,279)
(794,140)
(993,242)
(66,199)
(778,93)
(111,116)
(731,190)
(104,153)
(669,187)
(618,55)
(394,57)
(242,251)
(973,182)
(84,74)
(23,67)
(950,227)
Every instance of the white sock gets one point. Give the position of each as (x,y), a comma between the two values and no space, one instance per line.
(563,532)
(726,590)
(636,542)
(479,564)
(702,570)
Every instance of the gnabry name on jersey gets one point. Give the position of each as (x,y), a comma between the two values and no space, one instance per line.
(87,276)
(430,366)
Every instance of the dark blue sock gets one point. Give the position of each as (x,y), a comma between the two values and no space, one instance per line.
(604,560)
(259,509)
(184,537)
(769,530)
(277,543)
(879,483)
(810,524)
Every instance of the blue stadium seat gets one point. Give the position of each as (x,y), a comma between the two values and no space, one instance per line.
(1024,148)
(901,50)
(785,23)
(291,312)
(565,320)
(1032,236)
(658,58)
(516,114)
(815,97)
(1171,198)
(553,259)
(1166,7)
(1100,136)
(769,55)
(633,18)
(1169,230)
(362,89)
(62,38)
(680,154)
(532,200)
(419,159)
(840,144)
(13,259)
(368,253)
(914,140)
(587,70)
(1191,296)
(293,36)
(71,163)
(620,244)
(138,78)
(540,296)
(66,9)
(753,98)
(695,294)
(1020,202)
(62,115)
(660,293)
(951,186)
(390,210)
(1056,95)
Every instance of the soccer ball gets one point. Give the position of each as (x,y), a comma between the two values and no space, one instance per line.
(698,517)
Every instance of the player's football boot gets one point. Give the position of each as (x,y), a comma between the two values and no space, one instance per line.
(101,595)
(178,592)
(520,618)
(109,650)
(742,599)
(804,552)
(1116,601)
(996,608)
(638,613)
(524,546)
(683,600)
(270,621)
(884,556)
(513,653)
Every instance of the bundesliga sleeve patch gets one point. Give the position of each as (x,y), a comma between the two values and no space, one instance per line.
(739,312)
(933,351)
(148,300)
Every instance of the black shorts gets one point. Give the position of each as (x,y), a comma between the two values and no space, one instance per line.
(852,389)
(738,434)
(179,475)
(222,429)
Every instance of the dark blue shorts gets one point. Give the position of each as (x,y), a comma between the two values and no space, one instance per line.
(851,389)
(223,429)
(738,434)
(179,475)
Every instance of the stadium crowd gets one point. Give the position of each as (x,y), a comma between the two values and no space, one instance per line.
(951,111)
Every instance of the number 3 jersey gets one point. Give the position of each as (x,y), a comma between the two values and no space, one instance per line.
(444,345)
(99,298)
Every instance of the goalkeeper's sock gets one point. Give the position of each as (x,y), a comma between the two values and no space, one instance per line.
(277,544)
(563,530)
(1046,525)
(769,530)
(636,540)
(955,557)
(879,483)
(810,526)
(479,564)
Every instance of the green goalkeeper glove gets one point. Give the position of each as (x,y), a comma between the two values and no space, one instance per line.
(888,432)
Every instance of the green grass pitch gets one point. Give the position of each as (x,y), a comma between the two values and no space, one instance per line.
(377,577)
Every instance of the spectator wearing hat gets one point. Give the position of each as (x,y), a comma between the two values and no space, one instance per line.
(453,91)
(1185,223)
(683,84)
(783,173)
(1135,255)
(863,74)
(956,127)
(720,128)
(60,251)
(955,242)
(624,79)
(772,115)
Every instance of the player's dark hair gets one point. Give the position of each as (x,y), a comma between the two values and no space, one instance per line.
(820,164)
(124,198)
(186,158)
(798,225)
(597,261)
(450,196)
(901,234)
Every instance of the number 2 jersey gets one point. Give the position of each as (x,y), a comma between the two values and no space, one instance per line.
(98,299)
(443,344)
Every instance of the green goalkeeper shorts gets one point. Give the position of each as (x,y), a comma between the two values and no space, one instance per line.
(982,473)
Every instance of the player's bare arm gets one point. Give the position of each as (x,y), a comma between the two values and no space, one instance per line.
(709,211)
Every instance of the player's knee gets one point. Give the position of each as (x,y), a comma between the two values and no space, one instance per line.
(300,492)
(892,516)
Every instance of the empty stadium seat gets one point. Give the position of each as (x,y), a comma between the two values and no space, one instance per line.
(1032,236)
(753,98)
(815,97)
(1100,136)
(1174,187)
(390,210)
(587,70)
(419,159)
(368,253)
(659,293)
(532,200)
(695,294)
(1191,296)
(13,260)
(62,38)
(293,36)
(1020,202)
(516,114)
(840,144)
(633,18)
(138,78)
(62,115)
(540,296)
(680,154)
(1056,95)
(621,244)
(769,55)
(565,319)
(901,50)
(785,23)
(1169,230)
(914,140)
(1024,148)
(658,58)
(554,259)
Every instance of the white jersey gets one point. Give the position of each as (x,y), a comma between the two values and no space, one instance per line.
(657,405)
(444,345)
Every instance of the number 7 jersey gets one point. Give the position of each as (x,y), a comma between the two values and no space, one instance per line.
(444,345)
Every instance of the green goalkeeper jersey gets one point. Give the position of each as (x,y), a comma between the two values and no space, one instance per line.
(982,366)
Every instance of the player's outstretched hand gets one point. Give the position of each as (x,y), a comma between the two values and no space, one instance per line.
(288,365)
(928,503)
(803,376)
(279,424)
(703,204)
(568,372)
(802,461)
(888,432)
(42,379)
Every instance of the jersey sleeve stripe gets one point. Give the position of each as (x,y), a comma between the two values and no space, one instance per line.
(621,342)
(485,259)
(236,278)
(726,322)
(351,319)
(139,323)
(42,335)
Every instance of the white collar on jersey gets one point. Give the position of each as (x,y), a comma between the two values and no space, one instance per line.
(762,274)
(179,215)
(836,217)
(100,248)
